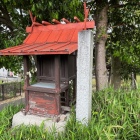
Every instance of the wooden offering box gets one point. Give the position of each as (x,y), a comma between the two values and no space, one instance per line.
(51,90)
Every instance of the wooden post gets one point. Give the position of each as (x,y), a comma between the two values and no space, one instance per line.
(74,90)
(57,82)
(75,80)
(26,82)
(38,66)
(2,88)
(20,88)
(67,81)
(57,72)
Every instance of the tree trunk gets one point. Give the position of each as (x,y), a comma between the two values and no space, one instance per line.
(100,51)
(115,73)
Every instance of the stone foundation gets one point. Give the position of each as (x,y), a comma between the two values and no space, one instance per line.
(58,122)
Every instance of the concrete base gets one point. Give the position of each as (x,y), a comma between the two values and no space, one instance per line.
(49,123)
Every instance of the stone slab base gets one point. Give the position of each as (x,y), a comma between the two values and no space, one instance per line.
(49,123)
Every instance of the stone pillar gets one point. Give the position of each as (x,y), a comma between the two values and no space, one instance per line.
(84,76)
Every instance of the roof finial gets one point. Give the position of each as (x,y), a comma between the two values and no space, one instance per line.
(65,20)
(76,19)
(56,21)
(86,11)
(31,16)
(33,19)
(46,23)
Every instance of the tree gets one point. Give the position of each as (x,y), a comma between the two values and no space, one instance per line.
(124,39)
(14,17)
(119,17)
(101,20)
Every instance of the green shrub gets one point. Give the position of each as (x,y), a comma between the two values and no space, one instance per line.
(6,116)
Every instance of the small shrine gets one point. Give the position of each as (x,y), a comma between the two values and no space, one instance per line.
(54,45)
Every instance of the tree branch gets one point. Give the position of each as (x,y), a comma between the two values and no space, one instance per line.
(123,5)
(8,23)
(5,19)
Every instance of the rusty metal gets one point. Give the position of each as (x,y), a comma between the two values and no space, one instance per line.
(65,20)
(77,19)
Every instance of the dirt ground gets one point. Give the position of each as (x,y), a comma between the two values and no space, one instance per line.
(16,100)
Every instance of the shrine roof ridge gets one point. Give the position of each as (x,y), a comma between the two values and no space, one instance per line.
(46,38)
(41,27)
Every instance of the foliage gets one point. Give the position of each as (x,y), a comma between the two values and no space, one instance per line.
(124,38)
(57,9)
(123,26)
(15,17)
(6,116)
(115,115)
(12,34)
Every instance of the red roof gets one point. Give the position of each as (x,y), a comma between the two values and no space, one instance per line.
(50,39)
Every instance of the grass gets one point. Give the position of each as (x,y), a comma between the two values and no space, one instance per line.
(124,83)
(115,116)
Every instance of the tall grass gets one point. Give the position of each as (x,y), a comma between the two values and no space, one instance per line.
(6,116)
(115,116)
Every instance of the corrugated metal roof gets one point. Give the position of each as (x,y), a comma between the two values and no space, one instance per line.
(50,39)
